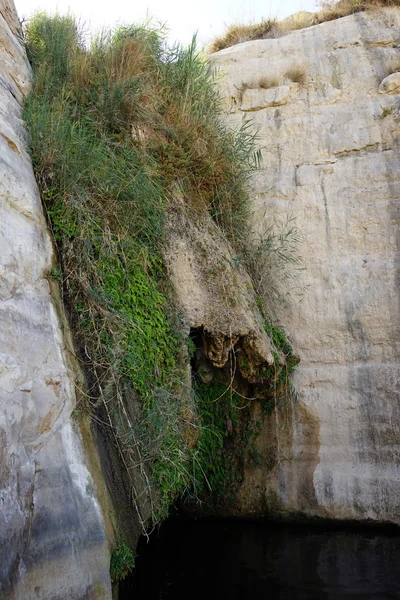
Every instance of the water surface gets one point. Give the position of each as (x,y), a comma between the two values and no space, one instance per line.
(241,560)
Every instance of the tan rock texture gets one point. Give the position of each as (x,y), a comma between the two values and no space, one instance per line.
(52,533)
(214,294)
(331,157)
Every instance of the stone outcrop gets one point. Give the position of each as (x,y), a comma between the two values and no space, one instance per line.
(214,294)
(331,158)
(52,532)
(391,84)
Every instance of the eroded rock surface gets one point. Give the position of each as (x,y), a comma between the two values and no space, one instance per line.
(331,157)
(390,85)
(52,532)
(214,294)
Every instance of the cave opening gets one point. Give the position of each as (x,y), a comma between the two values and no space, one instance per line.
(225,367)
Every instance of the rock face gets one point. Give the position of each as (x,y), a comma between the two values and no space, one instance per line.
(331,158)
(52,533)
(214,295)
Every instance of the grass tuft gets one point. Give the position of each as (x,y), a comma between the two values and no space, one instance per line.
(332,10)
(297,74)
(236,34)
(268,81)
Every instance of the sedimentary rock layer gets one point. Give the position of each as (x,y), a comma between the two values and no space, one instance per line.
(329,132)
(52,534)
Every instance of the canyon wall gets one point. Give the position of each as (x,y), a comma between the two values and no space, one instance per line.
(52,533)
(328,126)
(326,103)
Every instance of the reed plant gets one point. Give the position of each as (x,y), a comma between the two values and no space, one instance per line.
(116,126)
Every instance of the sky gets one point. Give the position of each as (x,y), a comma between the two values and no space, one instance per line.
(207,17)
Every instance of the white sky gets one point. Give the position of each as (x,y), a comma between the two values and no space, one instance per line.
(208,17)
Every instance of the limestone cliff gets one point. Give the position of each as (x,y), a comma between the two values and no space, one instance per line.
(329,132)
(52,533)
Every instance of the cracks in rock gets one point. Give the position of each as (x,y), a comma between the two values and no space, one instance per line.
(7,50)
(17,84)
(345,46)
(327,219)
(21,211)
(8,89)
(382,44)
(31,508)
(376,147)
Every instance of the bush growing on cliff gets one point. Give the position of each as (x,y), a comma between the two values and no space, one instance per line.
(115,129)
(335,9)
(118,130)
(122,562)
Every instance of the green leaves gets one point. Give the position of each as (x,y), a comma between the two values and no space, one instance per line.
(217,464)
(122,562)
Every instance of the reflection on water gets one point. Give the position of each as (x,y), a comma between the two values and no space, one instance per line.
(240,560)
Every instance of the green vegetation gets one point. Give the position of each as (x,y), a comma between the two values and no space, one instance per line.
(285,360)
(272,28)
(273,262)
(118,130)
(114,131)
(217,464)
(122,562)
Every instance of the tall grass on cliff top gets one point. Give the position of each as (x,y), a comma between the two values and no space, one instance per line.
(273,28)
(114,129)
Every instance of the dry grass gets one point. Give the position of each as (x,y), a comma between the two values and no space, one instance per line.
(268,81)
(299,20)
(297,74)
(272,28)
(236,34)
(343,8)
(263,81)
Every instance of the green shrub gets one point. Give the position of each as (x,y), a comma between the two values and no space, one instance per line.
(122,562)
(218,460)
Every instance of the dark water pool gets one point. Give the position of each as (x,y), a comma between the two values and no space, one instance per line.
(245,560)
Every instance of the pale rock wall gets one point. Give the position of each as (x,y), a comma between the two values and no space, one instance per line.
(52,533)
(331,157)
